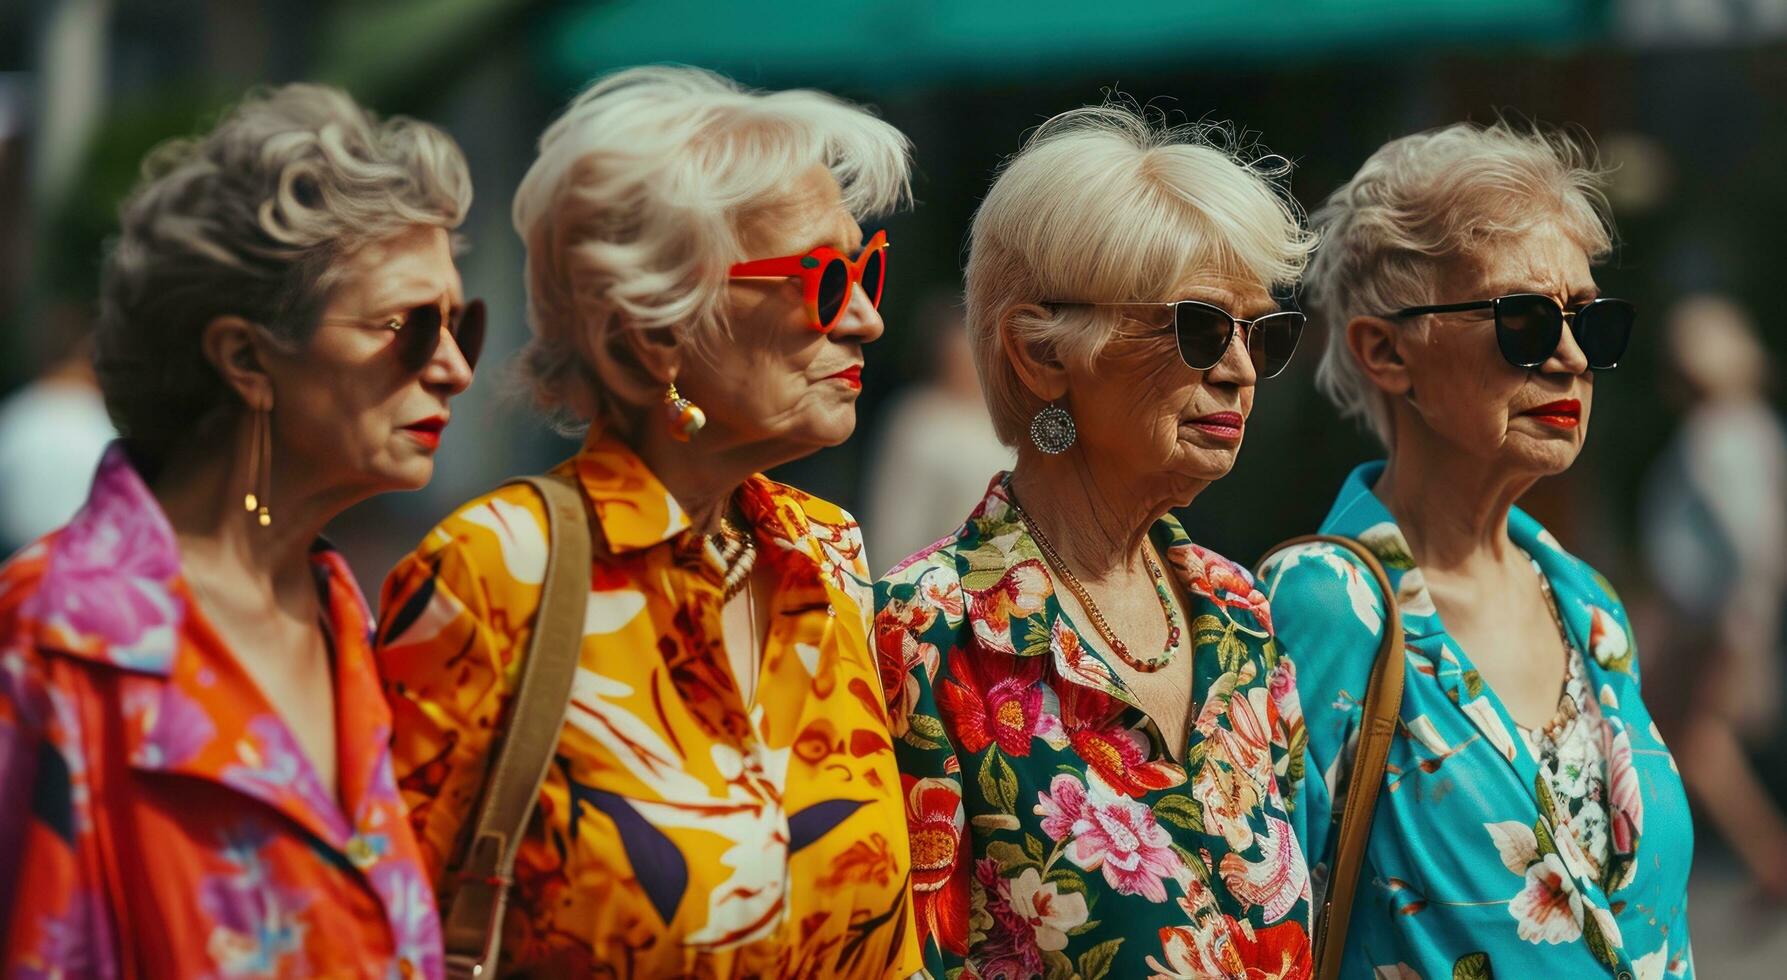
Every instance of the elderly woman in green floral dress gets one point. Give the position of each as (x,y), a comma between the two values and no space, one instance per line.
(1096,732)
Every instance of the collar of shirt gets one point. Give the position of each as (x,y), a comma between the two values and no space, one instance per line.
(1009,597)
(111,592)
(1584,597)
(1593,618)
(635,511)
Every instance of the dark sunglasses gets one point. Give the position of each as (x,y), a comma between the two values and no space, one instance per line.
(827,277)
(1204,332)
(1529,326)
(418,332)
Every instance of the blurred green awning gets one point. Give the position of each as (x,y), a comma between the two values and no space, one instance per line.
(922,41)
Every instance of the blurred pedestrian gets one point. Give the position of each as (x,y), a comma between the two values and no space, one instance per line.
(1714,525)
(52,434)
(936,449)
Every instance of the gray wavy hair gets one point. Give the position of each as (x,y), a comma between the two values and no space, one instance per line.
(1427,199)
(254,219)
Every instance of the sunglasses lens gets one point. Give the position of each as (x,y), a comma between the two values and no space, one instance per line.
(874,276)
(420,336)
(1203,333)
(1603,329)
(1273,341)
(834,292)
(468,332)
(1528,327)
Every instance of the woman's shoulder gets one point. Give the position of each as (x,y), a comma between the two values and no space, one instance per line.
(933,564)
(22,573)
(922,597)
(1583,580)
(1322,592)
(822,529)
(497,537)
(819,517)
(28,669)
(1212,579)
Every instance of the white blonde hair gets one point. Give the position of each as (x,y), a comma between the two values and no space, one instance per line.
(631,213)
(1111,203)
(1427,199)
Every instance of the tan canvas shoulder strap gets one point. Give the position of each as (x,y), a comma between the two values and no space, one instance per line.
(472,926)
(1377,728)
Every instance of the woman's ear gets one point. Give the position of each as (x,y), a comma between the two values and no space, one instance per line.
(638,363)
(234,348)
(1036,361)
(1376,344)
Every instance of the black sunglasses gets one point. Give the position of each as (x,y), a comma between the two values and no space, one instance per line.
(1204,332)
(418,332)
(1529,326)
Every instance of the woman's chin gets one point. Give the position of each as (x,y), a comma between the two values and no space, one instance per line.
(833,428)
(1543,457)
(1206,463)
(411,474)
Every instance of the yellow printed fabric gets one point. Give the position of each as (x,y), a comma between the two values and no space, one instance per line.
(679,832)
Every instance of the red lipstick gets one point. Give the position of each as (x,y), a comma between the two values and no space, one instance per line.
(851,376)
(1565,413)
(1226,426)
(427,431)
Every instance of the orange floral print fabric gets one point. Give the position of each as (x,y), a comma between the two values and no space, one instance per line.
(681,832)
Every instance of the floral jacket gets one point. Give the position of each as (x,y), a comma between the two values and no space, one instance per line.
(1053,835)
(681,833)
(158,818)
(1473,869)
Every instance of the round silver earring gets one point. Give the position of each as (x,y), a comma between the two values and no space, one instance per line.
(1052,430)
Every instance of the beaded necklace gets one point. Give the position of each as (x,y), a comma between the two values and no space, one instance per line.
(1118,647)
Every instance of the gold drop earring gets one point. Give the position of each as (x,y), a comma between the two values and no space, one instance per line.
(260,467)
(684,417)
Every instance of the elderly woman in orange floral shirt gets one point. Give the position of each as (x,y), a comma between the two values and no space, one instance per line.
(725,801)
(1097,735)
(195,772)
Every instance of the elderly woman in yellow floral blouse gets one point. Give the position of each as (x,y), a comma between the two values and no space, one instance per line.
(725,801)
(1096,732)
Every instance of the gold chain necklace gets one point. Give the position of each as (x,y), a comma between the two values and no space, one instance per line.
(1099,623)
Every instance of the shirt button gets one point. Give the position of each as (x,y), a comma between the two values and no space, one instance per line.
(361,853)
(1625,975)
(831,610)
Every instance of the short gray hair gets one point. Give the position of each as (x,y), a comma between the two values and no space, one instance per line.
(631,212)
(1112,204)
(1426,199)
(253,219)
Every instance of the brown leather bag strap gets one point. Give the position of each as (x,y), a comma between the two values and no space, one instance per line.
(472,927)
(1377,729)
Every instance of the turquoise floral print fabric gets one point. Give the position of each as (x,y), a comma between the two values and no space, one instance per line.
(1052,833)
(1474,869)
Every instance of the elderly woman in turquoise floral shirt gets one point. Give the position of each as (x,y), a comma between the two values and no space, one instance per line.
(1531,821)
(1096,733)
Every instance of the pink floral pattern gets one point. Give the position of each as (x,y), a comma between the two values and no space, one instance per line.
(1104,830)
(137,728)
(1085,847)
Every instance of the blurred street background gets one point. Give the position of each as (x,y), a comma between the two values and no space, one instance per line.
(1673,501)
